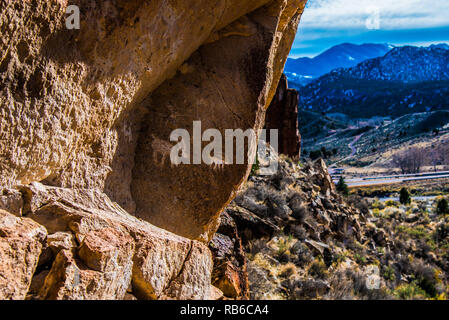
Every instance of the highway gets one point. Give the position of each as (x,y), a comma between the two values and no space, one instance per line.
(379,180)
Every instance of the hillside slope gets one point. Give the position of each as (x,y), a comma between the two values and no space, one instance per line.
(341,56)
(405,80)
(304,241)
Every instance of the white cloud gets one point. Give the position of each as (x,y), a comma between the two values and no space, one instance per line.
(394,14)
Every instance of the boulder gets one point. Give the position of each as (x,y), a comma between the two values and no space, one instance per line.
(21,241)
(229,273)
(322,178)
(250,225)
(227,84)
(11,201)
(116,250)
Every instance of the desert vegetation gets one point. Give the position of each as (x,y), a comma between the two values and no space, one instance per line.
(307,239)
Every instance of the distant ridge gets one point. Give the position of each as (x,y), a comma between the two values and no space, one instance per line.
(346,55)
(405,80)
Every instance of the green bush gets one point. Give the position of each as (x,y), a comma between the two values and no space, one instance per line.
(442,207)
(342,187)
(409,291)
(404,197)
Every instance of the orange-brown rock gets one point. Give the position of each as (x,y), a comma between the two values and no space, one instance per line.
(11,201)
(20,246)
(321,176)
(229,273)
(100,270)
(226,84)
(85,119)
(115,250)
(74,101)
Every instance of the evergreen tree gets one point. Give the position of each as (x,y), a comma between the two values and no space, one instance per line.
(443,207)
(342,187)
(404,197)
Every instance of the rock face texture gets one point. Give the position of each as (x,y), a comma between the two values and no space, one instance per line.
(94,250)
(85,123)
(229,274)
(73,102)
(20,246)
(283,115)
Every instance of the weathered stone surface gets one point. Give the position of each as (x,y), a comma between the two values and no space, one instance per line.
(60,241)
(193,281)
(115,249)
(282,114)
(20,246)
(69,279)
(216,294)
(250,224)
(229,273)
(103,249)
(226,84)
(321,176)
(89,112)
(11,201)
(101,269)
(82,95)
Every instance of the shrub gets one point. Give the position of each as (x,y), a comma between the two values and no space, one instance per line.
(442,207)
(318,269)
(389,273)
(342,187)
(359,203)
(255,167)
(404,197)
(391,203)
(409,291)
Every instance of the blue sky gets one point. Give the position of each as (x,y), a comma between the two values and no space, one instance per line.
(326,23)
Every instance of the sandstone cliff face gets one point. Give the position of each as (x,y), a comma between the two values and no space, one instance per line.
(73,102)
(85,118)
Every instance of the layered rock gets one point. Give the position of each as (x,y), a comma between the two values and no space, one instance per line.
(21,241)
(95,250)
(73,101)
(283,116)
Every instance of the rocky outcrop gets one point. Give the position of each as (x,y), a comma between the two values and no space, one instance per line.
(74,101)
(282,115)
(229,274)
(290,223)
(85,123)
(21,241)
(303,240)
(95,250)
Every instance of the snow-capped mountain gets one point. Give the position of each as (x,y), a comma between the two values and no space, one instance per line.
(405,64)
(405,80)
(345,55)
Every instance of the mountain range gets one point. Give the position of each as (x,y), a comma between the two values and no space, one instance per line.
(303,70)
(405,80)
